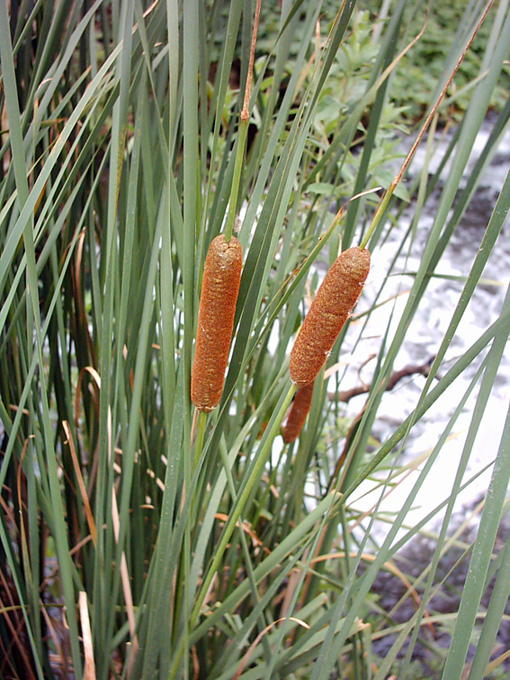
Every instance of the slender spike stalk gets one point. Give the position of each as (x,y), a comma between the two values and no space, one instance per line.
(236,181)
(199,442)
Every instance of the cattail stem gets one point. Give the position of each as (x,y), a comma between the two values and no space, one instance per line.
(234,516)
(243,132)
(236,180)
(199,442)
(244,494)
(245,113)
(383,204)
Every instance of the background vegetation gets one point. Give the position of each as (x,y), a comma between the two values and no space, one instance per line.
(126,549)
(416,78)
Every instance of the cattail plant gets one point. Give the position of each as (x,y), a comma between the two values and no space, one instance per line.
(220,288)
(298,413)
(328,312)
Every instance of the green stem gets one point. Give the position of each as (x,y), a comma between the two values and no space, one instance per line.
(199,443)
(383,204)
(236,180)
(261,457)
(230,526)
(244,546)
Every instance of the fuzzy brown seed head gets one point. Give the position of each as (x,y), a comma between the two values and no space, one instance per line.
(297,414)
(328,312)
(220,288)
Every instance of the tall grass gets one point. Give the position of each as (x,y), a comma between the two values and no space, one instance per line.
(130,548)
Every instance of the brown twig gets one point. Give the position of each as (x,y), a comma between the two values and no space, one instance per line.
(346,395)
(245,113)
(412,369)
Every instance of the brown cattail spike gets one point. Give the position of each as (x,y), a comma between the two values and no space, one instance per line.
(297,414)
(329,311)
(220,288)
